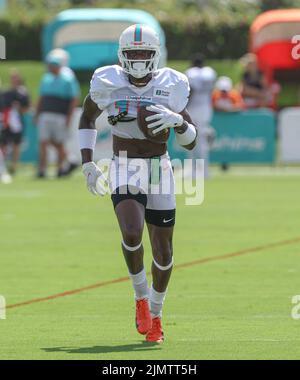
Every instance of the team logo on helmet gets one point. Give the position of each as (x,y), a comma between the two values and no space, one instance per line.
(139,37)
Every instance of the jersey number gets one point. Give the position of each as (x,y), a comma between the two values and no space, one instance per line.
(122,105)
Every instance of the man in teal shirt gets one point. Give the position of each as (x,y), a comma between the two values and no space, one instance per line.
(59,93)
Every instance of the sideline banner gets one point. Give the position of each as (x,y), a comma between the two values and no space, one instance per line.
(29,147)
(244,137)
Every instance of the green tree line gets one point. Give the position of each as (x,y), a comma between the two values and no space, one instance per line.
(218,28)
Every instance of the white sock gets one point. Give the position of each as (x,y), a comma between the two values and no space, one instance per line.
(2,164)
(156,302)
(140,285)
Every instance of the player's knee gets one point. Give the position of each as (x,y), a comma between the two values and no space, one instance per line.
(162,253)
(132,235)
(164,260)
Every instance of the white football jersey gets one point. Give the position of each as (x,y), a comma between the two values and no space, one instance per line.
(202,81)
(111,90)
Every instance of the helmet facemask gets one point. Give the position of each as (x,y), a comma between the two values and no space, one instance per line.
(139,62)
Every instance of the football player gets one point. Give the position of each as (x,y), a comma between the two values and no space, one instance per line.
(202,80)
(121,90)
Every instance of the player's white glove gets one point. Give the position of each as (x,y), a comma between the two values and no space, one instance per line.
(164,117)
(95,179)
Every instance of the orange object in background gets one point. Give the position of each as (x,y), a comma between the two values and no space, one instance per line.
(227,101)
(271,39)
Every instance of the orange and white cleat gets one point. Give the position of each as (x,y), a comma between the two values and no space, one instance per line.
(156,333)
(143,318)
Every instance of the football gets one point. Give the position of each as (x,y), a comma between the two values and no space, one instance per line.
(161,137)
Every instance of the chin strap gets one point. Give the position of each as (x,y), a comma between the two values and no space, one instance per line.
(137,83)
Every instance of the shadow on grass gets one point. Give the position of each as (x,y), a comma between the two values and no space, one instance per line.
(138,347)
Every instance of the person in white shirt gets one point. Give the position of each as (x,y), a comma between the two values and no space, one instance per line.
(202,80)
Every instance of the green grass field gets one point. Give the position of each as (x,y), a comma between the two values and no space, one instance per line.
(56,237)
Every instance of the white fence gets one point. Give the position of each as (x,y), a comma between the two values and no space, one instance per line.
(289,135)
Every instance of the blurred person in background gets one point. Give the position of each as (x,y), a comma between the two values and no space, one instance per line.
(254,88)
(64,57)
(59,95)
(16,102)
(225,98)
(202,80)
(4,176)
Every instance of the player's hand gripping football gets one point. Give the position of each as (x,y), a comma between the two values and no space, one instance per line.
(95,179)
(163,118)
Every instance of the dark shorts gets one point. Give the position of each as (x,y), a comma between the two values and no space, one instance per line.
(9,137)
(159,218)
